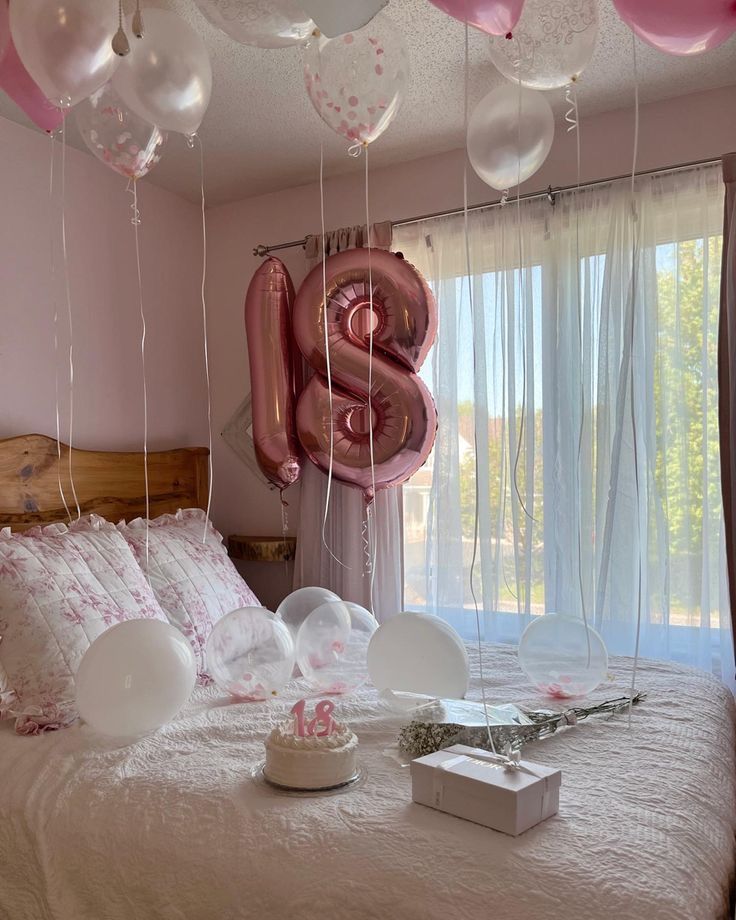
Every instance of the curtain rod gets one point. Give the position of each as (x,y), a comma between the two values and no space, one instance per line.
(549,193)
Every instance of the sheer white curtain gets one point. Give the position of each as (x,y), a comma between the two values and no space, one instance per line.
(343,567)
(585,372)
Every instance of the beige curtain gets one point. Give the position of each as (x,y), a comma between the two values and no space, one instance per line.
(348,574)
(727,375)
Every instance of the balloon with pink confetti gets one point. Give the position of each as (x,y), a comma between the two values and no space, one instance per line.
(250,654)
(118,137)
(332,647)
(562,656)
(357,81)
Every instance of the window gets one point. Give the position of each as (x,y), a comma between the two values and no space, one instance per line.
(579,354)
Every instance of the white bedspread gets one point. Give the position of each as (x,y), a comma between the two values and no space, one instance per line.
(172,827)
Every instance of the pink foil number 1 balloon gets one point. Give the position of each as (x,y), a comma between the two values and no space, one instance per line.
(274,372)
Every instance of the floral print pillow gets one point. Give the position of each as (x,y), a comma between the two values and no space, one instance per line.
(190,573)
(60,588)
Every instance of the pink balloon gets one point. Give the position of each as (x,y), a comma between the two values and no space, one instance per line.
(680,26)
(497,17)
(18,84)
(405,324)
(4,27)
(272,376)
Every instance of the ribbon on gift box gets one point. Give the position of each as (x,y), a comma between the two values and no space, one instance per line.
(511,762)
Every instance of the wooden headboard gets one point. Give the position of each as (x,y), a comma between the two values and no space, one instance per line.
(108,483)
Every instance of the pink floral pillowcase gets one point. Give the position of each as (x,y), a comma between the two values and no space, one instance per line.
(60,588)
(192,577)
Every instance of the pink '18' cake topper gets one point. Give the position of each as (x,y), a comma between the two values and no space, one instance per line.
(323,716)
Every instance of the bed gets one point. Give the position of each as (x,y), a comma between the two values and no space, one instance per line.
(174,827)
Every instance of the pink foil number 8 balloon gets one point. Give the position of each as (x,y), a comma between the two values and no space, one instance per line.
(403,314)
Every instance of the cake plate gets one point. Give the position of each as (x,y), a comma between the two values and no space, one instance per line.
(258,775)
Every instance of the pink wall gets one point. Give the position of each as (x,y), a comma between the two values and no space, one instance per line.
(674,131)
(108,406)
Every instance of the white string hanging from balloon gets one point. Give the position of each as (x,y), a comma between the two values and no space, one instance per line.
(520,244)
(328,361)
(572,117)
(571,112)
(135,221)
(205,342)
(56,328)
(476,509)
(372,530)
(67,289)
(635,247)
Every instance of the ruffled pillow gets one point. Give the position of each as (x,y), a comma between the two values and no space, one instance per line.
(190,573)
(60,588)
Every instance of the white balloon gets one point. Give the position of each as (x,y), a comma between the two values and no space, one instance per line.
(296,607)
(505,150)
(419,653)
(560,659)
(167,77)
(134,678)
(551,45)
(263,23)
(336,17)
(332,647)
(66,45)
(250,654)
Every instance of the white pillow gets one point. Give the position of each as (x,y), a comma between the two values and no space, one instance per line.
(193,579)
(60,588)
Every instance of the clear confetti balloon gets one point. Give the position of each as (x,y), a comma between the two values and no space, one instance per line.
(332,647)
(562,657)
(357,81)
(263,23)
(296,607)
(250,654)
(117,136)
(551,45)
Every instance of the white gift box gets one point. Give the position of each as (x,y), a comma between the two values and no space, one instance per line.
(499,792)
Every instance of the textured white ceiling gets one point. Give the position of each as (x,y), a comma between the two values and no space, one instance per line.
(261,133)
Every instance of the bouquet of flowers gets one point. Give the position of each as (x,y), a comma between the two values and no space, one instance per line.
(429,732)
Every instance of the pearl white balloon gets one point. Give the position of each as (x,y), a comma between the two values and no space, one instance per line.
(134,678)
(263,23)
(250,654)
(419,653)
(551,45)
(66,45)
(296,607)
(560,659)
(167,77)
(336,17)
(504,149)
(332,647)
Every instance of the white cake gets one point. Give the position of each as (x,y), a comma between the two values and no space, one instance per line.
(312,762)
